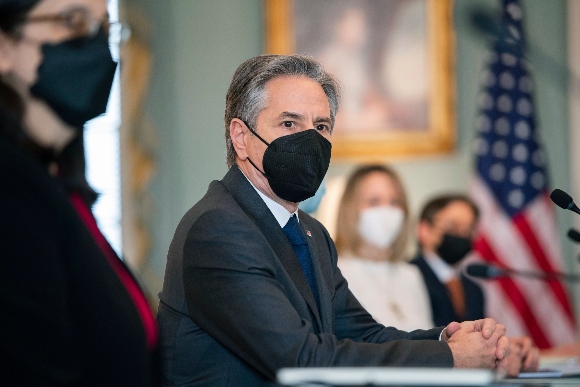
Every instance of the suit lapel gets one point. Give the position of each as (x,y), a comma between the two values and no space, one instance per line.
(253,205)
(439,288)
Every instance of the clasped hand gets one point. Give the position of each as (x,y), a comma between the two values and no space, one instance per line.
(524,357)
(478,344)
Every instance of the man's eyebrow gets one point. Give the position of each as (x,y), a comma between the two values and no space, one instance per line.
(293,115)
(298,116)
(323,119)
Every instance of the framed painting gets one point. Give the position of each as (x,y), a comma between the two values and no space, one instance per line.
(394,60)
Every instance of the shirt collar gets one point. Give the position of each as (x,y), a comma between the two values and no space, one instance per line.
(280,213)
(443,271)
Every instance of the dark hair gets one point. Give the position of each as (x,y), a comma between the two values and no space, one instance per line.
(71,161)
(246,98)
(72,169)
(438,203)
(13,13)
(12,16)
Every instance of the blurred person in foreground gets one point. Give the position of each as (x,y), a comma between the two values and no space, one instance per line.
(251,283)
(71,312)
(447,226)
(371,239)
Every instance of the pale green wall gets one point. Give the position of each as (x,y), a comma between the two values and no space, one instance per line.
(547,30)
(197,45)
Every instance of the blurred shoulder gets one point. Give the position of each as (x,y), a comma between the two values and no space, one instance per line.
(409,271)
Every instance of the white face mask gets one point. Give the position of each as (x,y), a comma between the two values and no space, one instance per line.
(379,226)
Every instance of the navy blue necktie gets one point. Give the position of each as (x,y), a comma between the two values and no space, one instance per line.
(300,246)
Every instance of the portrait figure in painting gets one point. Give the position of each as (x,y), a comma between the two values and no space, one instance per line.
(378,50)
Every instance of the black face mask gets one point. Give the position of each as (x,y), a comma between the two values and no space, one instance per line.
(295,164)
(453,248)
(75,78)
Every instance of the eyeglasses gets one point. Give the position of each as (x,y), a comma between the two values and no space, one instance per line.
(80,23)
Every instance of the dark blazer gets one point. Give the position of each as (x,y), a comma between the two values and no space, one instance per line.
(65,318)
(236,306)
(441,305)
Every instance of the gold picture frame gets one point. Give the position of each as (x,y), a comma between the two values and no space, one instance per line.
(437,134)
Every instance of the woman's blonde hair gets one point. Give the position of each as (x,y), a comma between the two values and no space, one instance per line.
(347,237)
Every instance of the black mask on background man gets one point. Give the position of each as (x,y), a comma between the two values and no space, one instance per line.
(75,78)
(296,164)
(453,249)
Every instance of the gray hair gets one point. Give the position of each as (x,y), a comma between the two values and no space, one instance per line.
(246,97)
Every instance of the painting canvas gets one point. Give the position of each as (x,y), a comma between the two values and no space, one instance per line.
(393,59)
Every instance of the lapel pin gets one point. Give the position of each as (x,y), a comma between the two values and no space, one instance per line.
(309,233)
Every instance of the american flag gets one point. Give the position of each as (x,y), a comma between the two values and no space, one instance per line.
(517,228)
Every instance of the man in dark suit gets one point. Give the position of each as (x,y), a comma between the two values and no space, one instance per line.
(251,283)
(446,226)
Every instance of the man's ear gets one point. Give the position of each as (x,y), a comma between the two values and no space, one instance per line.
(238,135)
(423,233)
(428,238)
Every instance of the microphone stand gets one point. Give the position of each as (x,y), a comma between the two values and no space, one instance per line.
(548,276)
(487,272)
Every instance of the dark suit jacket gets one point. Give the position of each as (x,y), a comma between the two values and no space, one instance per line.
(441,305)
(236,306)
(65,318)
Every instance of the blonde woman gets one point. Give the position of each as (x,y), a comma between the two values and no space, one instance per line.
(371,237)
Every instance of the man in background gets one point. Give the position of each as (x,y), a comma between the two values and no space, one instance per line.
(447,227)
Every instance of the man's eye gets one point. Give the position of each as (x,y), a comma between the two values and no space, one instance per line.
(77,20)
(288,124)
(322,127)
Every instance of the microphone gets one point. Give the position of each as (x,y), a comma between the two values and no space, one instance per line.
(495,27)
(481,270)
(484,22)
(563,200)
(490,24)
(574,235)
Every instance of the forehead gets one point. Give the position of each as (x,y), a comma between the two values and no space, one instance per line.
(295,90)
(456,212)
(379,183)
(97,7)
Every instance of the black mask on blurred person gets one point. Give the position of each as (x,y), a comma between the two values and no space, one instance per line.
(453,249)
(296,164)
(75,78)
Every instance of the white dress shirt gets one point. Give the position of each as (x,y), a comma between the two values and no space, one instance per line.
(281,214)
(443,271)
(394,293)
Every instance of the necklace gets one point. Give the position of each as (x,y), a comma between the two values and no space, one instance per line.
(393,301)
(396,309)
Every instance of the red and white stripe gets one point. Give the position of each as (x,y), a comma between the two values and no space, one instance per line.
(529,241)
